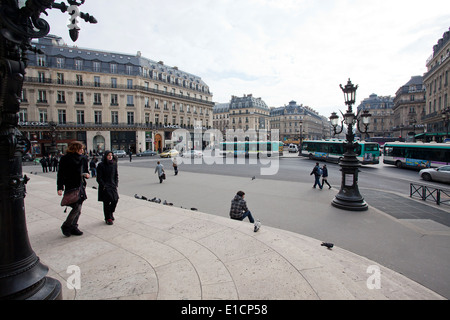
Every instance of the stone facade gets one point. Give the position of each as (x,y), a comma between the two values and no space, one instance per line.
(108,100)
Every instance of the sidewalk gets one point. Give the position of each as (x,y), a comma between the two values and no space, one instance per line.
(158,252)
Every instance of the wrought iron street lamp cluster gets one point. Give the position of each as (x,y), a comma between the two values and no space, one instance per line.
(22,275)
(349,197)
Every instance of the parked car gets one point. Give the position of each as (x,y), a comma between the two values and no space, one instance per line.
(441,174)
(192,154)
(169,154)
(120,153)
(146,153)
(27,157)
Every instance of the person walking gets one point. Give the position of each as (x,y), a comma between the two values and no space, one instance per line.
(175,165)
(240,211)
(44,163)
(325,176)
(160,169)
(55,163)
(93,166)
(72,172)
(317,172)
(108,182)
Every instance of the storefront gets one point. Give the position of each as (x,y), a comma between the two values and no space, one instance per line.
(123,140)
(40,136)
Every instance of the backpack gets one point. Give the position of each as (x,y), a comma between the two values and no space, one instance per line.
(319,171)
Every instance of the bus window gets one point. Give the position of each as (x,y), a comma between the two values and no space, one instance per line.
(372,147)
(358,149)
(388,151)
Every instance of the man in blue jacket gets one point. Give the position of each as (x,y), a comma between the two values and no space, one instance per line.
(317,172)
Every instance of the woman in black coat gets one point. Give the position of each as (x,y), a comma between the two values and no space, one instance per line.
(73,169)
(108,181)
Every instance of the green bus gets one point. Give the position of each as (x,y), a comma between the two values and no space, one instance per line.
(254,148)
(417,155)
(333,150)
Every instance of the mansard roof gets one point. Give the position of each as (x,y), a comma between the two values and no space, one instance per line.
(53,46)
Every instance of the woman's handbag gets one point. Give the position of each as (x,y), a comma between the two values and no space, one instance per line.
(70,197)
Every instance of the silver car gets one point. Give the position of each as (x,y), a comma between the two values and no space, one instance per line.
(120,153)
(441,174)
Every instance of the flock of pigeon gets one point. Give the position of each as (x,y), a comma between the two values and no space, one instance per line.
(158,200)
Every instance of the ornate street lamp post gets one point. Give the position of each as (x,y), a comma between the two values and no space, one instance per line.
(349,197)
(22,276)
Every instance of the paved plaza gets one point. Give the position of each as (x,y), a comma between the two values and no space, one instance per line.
(160,252)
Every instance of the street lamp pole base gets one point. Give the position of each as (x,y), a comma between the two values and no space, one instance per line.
(350,204)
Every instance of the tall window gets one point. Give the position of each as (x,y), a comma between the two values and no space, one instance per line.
(79,80)
(97,98)
(114,99)
(41,60)
(80,117)
(60,78)
(98,117)
(130,100)
(97,66)
(41,77)
(113,82)
(62,116)
(43,118)
(79,98)
(130,70)
(129,83)
(113,68)
(130,118)
(97,81)
(78,64)
(23,115)
(42,96)
(115,117)
(61,97)
(60,62)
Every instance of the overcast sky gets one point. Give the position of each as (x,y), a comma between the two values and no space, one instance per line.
(279,50)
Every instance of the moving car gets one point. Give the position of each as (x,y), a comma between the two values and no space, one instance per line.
(192,154)
(293,148)
(441,174)
(169,154)
(120,153)
(146,153)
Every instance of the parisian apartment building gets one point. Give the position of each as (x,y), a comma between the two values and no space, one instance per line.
(436,82)
(297,122)
(293,122)
(409,109)
(381,121)
(108,100)
(244,114)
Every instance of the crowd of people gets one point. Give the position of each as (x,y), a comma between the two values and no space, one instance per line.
(49,163)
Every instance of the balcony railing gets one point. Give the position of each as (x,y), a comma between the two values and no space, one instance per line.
(96,85)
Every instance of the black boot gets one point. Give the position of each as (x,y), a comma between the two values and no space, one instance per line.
(66,231)
(75,231)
